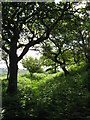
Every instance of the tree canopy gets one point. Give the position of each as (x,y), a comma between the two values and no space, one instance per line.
(26,24)
(32,65)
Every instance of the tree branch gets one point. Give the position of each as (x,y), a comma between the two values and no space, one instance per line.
(42,38)
(5,49)
(60,17)
(20,45)
(32,43)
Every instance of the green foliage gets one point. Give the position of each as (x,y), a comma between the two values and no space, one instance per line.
(50,65)
(32,65)
(49,97)
(27,24)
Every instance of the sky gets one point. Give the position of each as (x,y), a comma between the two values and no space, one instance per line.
(32,53)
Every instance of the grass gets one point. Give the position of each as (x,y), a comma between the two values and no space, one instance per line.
(49,97)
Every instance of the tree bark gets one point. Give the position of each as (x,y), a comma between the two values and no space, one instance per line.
(12,82)
(55,68)
(13,68)
(88,70)
(65,70)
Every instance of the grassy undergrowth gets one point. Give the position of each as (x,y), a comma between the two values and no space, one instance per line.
(49,97)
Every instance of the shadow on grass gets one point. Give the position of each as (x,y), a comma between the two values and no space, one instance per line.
(15,108)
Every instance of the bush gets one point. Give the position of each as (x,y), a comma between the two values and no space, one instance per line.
(32,65)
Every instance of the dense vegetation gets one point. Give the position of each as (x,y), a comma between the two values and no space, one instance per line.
(49,96)
(59,30)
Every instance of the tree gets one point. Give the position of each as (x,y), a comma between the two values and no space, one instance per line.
(25,25)
(49,64)
(80,32)
(55,52)
(32,65)
(71,35)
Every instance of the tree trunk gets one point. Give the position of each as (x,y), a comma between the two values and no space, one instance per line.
(7,73)
(55,68)
(31,74)
(12,82)
(65,70)
(88,70)
(13,68)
